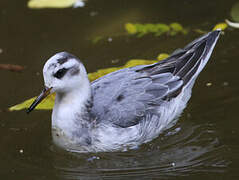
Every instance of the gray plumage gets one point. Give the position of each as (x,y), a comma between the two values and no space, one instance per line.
(125,97)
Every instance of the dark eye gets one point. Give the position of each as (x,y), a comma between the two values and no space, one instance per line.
(60,73)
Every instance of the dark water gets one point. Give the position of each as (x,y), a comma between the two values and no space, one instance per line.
(203,144)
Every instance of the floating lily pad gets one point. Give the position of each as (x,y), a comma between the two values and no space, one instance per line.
(156,29)
(140,30)
(176,28)
(38,4)
(162,56)
(221,26)
(46,104)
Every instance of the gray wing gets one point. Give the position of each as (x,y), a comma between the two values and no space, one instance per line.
(128,96)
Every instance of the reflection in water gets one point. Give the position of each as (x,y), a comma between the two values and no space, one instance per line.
(192,149)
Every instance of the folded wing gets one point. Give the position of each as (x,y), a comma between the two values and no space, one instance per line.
(131,95)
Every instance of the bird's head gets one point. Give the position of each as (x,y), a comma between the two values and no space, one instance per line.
(62,73)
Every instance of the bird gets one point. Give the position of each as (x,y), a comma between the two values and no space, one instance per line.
(123,109)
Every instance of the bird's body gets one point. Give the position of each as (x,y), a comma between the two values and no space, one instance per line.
(125,108)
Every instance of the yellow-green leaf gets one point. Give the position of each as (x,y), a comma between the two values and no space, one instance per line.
(177,28)
(221,26)
(156,29)
(48,102)
(38,4)
(162,56)
(130,28)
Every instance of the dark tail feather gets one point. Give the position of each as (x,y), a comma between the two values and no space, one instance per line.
(188,62)
(195,57)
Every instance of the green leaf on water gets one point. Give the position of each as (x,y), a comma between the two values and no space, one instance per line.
(162,56)
(155,29)
(177,28)
(221,26)
(130,28)
(140,30)
(39,4)
(134,62)
(48,102)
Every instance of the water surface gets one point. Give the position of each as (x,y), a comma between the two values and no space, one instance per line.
(203,144)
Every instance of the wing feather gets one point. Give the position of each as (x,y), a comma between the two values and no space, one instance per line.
(130,96)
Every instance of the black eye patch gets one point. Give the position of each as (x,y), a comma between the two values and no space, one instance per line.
(60,73)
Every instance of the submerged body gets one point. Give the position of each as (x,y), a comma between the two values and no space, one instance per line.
(125,108)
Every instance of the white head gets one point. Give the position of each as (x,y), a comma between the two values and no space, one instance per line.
(63,73)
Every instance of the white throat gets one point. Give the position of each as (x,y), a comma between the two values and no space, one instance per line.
(70,107)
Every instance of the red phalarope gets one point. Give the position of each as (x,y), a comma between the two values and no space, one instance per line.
(125,108)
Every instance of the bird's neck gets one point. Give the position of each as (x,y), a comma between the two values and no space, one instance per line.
(72,113)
